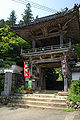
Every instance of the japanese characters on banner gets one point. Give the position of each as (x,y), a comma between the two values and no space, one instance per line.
(63,64)
(26,70)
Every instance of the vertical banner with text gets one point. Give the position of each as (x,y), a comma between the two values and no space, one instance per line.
(63,64)
(64,71)
(26,69)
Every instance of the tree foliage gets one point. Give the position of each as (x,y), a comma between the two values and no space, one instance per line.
(12,18)
(11,21)
(27,16)
(2,23)
(10,47)
(74,92)
(77,51)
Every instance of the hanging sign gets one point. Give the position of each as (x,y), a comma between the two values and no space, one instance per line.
(63,64)
(26,70)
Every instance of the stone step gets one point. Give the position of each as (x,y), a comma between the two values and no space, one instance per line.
(46,107)
(39,99)
(43,95)
(38,106)
(43,103)
(53,104)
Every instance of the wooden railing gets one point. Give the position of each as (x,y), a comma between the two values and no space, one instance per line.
(46,49)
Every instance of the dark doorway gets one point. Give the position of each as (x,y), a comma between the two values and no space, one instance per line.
(52,80)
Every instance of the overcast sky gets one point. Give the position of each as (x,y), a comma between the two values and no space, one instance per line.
(6,6)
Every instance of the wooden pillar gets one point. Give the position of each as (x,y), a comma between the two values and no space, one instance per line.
(69,43)
(65,78)
(31,70)
(69,74)
(33,45)
(40,77)
(61,39)
(42,82)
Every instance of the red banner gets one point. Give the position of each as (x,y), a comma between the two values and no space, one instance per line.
(26,70)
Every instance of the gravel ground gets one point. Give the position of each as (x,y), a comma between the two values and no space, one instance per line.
(12,113)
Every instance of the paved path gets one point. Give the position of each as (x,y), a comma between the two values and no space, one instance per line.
(9,113)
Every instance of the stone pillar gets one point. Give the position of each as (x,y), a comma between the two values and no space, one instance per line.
(7,83)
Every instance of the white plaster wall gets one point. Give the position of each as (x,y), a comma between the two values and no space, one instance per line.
(75,75)
(14,68)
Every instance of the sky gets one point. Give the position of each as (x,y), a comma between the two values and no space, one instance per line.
(6,6)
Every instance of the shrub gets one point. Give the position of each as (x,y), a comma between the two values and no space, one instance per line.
(21,88)
(68,110)
(29,88)
(74,92)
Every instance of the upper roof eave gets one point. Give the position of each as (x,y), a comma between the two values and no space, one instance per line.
(47,18)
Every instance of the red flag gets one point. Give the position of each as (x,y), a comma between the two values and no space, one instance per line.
(26,70)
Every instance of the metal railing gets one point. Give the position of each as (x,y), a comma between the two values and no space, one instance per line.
(47,48)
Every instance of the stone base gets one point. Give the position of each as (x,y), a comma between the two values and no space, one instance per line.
(63,93)
(4,93)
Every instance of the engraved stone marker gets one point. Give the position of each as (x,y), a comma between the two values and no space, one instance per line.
(7,83)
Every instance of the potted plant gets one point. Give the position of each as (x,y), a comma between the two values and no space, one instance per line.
(22,90)
(29,90)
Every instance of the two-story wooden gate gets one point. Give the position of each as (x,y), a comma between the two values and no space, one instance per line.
(51,38)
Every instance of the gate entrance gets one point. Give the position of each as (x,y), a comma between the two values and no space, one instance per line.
(54,79)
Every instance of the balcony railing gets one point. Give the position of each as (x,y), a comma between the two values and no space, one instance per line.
(46,49)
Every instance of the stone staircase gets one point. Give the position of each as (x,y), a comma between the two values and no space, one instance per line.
(39,100)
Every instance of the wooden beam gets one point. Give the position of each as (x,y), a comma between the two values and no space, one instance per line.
(65,25)
(33,45)
(57,51)
(49,36)
(50,65)
(46,60)
(55,34)
(44,31)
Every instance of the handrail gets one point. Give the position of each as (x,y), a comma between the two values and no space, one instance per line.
(46,48)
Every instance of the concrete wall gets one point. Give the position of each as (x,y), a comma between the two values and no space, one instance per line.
(75,75)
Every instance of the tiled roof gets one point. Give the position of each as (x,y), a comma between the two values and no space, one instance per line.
(46,18)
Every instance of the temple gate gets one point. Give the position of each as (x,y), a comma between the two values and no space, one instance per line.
(51,38)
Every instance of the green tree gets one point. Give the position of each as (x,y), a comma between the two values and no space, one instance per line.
(74,92)
(27,16)
(12,18)
(2,23)
(10,47)
(77,51)
(21,22)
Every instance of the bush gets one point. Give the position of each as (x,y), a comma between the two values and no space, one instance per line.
(68,110)
(21,88)
(29,88)
(74,92)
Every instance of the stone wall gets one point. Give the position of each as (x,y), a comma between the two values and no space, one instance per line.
(17,80)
